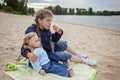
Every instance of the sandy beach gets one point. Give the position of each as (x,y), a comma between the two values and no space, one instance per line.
(100,44)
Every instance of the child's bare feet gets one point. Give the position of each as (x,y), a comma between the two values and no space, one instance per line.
(70,72)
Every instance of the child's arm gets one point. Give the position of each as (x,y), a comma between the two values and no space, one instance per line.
(27,53)
(24,51)
(37,65)
(58,33)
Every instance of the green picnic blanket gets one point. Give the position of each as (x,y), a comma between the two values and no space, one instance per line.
(81,72)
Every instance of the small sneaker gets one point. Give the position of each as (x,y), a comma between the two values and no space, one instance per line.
(81,55)
(89,62)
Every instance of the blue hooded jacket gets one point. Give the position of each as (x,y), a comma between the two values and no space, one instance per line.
(45,39)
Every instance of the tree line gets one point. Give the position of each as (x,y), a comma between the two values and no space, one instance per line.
(20,7)
(16,6)
(58,10)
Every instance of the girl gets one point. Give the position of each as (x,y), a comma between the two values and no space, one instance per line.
(51,43)
(43,63)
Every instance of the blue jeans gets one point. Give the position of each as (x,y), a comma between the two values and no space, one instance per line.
(56,68)
(60,48)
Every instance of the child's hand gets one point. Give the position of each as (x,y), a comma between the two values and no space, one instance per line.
(32,56)
(56,29)
(42,72)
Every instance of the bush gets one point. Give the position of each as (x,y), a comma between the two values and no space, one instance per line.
(31,11)
(7,8)
(0,5)
(24,10)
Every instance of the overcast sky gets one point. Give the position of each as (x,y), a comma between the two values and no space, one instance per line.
(113,5)
(95,4)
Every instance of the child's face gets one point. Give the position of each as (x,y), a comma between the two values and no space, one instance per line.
(46,22)
(34,42)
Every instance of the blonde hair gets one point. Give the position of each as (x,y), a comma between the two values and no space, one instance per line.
(42,14)
(26,39)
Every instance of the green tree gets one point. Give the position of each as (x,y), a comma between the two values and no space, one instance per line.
(24,10)
(81,11)
(58,10)
(50,8)
(78,12)
(99,13)
(1,6)
(117,12)
(71,11)
(31,11)
(90,11)
(105,12)
(64,11)
(112,12)
(19,6)
(12,3)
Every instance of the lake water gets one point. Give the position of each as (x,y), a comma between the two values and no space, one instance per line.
(110,22)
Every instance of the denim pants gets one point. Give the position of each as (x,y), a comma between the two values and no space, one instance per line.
(60,48)
(56,68)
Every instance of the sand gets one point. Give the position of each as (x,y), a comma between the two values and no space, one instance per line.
(98,43)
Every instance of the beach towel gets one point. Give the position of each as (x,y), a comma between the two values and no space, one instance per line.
(81,72)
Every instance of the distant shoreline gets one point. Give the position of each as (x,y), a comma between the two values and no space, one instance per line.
(107,22)
(88,25)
